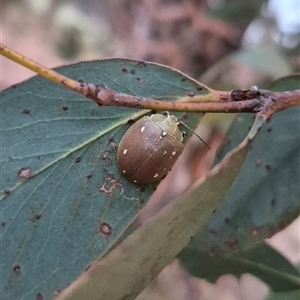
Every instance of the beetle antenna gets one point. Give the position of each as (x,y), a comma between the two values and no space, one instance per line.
(201,139)
(195,134)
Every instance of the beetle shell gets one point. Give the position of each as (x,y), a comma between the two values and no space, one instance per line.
(149,148)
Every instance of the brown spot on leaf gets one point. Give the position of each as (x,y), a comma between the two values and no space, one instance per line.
(104,154)
(80,80)
(141,63)
(273,202)
(26,111)
(183,79)
(112,143)
(268,168)
(254,232)
(130,121)
(191,94)
(89,176)
(17,269)
(199,88)
(258,162)
(24,173)
(124,70)
(227,220)
(78,159)
(39,296)
(35,218)
(132,72)
(231,243)
(65,108)
(38,216)
(105,229)
(2,224)
(6,191)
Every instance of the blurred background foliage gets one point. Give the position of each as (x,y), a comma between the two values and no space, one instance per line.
(190,35)
(225,44)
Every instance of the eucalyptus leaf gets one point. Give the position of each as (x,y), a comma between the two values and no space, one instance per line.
(264,197)
(292,295)
(63,201)
(260,260)
(131,266)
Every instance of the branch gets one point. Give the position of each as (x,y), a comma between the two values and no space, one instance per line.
(277,101)
(222,101)
(252,100)
(41,70)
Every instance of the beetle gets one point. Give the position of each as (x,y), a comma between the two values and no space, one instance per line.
(150,148)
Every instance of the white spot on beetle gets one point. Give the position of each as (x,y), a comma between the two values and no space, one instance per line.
(142,129)
(164,133)
(174,152)
(135,181)
(125,151)
(156,175)
(165,152)
(124,171)
(165,169)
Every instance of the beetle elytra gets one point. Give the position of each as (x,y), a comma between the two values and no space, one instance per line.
(149,148)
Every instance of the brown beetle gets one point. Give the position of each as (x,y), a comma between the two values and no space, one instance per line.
(149,148)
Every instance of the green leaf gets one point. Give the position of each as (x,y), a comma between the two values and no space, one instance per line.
(286,83)
(74,204)
(260,260)
(264,197)
(235,10)
(133,264)
(292,295)
(268,61)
